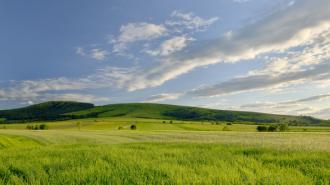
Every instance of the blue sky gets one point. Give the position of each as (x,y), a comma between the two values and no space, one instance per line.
(253,55)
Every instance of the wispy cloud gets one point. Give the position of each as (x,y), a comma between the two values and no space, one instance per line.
(180,21)
(163,97)
(80,51)
(172,35)
(302,106)
(133,32)
(304,25)
(308,64)
(170,46)
(94,53)
(299,24)
(99,54)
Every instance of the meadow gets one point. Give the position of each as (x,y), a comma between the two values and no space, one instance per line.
(107,151)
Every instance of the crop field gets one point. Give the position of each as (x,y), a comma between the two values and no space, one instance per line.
(158,152)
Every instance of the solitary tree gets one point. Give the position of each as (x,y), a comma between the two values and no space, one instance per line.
(261,128)
(133,127)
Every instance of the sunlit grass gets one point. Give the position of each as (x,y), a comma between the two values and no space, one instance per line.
(161,163)
(95,151)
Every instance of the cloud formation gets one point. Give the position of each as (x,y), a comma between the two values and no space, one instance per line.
(133,32)
(305,65)
(302,106)
(298,36)
(290,27)
(170,46)
(163,97)
(181,21)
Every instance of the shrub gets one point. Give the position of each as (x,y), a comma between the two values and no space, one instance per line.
(164,121)
(284,127)
(229,123)
(272,128)
(133,127)
(120,128)
(226,128)
(171,122)
(36,127)
(29,127)
(43,127)
(262,128)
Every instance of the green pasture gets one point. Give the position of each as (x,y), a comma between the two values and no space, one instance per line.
(107,151)
(163,157)
(154,124)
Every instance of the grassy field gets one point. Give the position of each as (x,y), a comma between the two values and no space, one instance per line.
(163,157)
(154,124)
(95,151)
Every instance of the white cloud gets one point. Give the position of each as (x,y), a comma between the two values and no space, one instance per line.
(99,54)
(293,26)
(164,97)
(95,53)
(180,21)
(171,46)
(323,113)
(133,32)
(304,106)
(74,97)
(80,51)
(308,64)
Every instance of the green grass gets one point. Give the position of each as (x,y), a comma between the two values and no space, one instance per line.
(154,124)
(184,152)
(162,163)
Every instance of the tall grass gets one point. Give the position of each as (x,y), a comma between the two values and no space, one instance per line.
(162,163)
(163,157)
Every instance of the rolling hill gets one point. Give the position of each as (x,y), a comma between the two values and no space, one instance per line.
(61,110)
(52,110)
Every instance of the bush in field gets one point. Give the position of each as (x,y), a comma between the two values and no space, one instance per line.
(272,128)
(261,128)
(133,127)
(283,127)
(43,127)
(226,128)
(171,122)
(120,128)
(37,127)
(229,123)
(164,121)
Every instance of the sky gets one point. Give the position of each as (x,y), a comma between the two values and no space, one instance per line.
(248,55)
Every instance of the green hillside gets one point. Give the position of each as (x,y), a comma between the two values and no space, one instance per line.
(163,111)
(74,110)
(52,110)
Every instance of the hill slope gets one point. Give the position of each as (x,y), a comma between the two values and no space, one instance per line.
(75,110)
(163,111)
(45,111)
